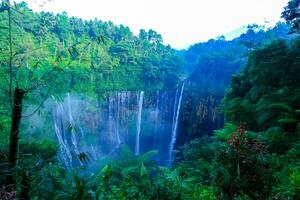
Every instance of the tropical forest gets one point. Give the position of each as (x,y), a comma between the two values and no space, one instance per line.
(92,110)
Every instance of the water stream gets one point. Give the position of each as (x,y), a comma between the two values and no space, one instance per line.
(175,124)
(139,120)
(142,122)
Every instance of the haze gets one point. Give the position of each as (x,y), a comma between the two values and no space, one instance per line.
(181,23)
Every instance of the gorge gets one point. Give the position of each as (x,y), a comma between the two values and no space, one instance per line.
(141,121)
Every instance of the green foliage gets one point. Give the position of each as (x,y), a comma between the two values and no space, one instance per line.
(241,167)
(269,86)
(265,96)
(106,56)
(291,14)
(226,133)
(255,156)
(262,162)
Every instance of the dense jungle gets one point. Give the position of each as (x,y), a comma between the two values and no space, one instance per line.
(90,110)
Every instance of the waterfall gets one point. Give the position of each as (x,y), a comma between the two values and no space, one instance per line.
(139,119)
(110,118)
(59,131)
(141,123)
(175,107)
(93,152)
(176,112)
(72,128)
(118,120)
(127,105)
(123,116)
(156,121)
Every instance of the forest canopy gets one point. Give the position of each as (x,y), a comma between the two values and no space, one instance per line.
(89,110)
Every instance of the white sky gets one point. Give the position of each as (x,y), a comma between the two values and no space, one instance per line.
(181,22)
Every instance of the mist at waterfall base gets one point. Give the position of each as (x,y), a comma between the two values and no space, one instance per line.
(100,129)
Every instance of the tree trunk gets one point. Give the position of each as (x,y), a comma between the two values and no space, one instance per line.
(14,135)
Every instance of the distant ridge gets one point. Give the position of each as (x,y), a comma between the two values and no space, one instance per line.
(236,33)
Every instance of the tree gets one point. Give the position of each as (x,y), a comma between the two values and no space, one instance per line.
(291,14)
(154,37)
(143,35)
(25,71)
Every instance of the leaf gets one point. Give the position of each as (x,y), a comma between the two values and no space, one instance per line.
(226,133)
(143,170)
(164,170)
(147,156)
(73,52)
(126,152)
(83,157)
(129,172)
(59,58)
(282,107)
(288,121)
(264,117)
(104,169)
(72,128)
(36,64)
(173,176)
(101,39)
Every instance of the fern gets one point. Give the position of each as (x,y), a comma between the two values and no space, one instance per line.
(143,170)
(225,133)
(82,157)
(265,117)
(281,107)
(288,121)
(129,173)
(147,156)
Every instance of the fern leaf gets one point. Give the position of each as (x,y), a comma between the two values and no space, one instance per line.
(288,121)
(143,170)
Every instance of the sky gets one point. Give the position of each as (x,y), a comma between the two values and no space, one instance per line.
(180,22)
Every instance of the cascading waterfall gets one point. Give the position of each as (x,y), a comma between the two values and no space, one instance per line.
(125,118)
(61,136)
(175,110)
(72,128)
(156,122)
(118,120)
(177,105)
(93,152)
(139,119)
(110,118)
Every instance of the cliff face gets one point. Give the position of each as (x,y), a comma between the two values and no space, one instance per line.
(200,115)
(211,66)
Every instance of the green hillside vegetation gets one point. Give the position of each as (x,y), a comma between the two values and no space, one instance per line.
(255,155)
